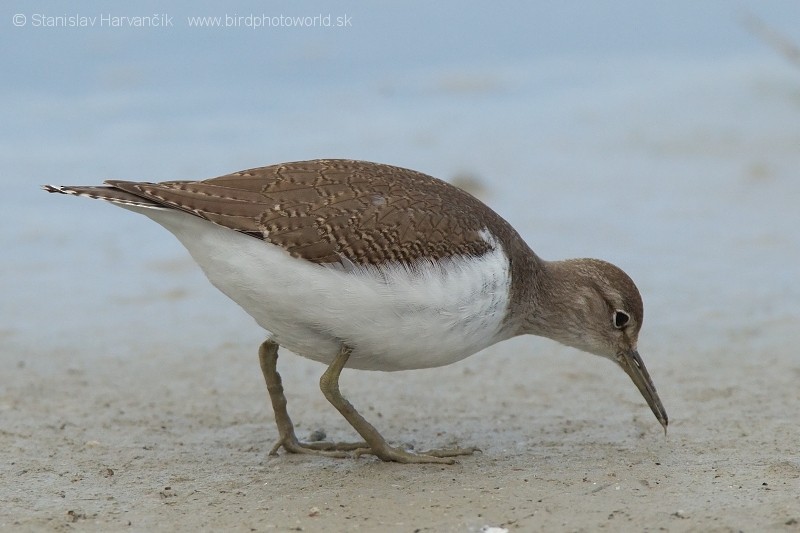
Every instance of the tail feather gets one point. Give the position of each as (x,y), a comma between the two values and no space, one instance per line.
(103,192)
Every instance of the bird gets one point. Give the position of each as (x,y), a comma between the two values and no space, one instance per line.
(376,267)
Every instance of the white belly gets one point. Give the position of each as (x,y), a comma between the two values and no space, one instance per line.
(392,318)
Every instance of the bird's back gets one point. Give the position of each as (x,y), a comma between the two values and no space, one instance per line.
(328,211)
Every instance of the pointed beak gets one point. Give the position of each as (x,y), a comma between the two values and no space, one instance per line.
(633,365)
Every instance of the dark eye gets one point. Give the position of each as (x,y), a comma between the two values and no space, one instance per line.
(621,319)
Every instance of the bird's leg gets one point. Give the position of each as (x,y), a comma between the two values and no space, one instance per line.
(376,444)
(268,357)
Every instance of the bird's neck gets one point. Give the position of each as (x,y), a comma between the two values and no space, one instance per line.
(554,305)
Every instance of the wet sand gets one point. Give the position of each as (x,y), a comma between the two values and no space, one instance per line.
(171,439)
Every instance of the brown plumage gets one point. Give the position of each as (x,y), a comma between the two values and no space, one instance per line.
(327,211)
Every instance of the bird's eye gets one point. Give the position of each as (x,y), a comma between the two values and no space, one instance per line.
(621,319)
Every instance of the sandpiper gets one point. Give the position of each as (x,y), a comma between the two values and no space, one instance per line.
(377,267)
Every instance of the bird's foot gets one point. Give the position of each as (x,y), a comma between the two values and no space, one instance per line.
(328,449)
(398,455)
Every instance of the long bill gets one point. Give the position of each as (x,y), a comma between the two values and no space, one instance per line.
(631,362)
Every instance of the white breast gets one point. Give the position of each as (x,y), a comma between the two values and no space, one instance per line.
(394,318)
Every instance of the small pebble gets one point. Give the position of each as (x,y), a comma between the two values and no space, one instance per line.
(317,435)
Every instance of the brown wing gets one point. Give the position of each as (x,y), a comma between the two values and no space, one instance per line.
(329,211)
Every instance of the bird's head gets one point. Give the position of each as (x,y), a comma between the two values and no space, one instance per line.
(594,306)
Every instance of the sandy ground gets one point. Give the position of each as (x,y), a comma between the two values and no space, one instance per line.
(176,439)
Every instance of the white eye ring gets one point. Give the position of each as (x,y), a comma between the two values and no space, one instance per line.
(620,318)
